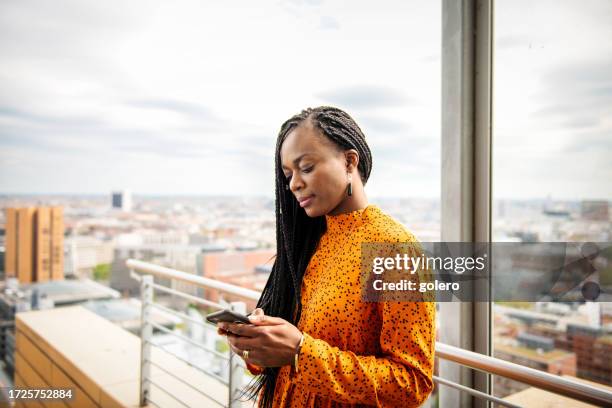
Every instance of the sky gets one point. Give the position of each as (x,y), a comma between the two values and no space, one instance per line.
(187,97)
(553,99)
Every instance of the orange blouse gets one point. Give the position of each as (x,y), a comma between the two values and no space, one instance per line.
(354,352)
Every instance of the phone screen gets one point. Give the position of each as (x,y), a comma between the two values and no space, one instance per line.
(227,316)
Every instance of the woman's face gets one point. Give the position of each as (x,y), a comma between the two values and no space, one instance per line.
(315,169)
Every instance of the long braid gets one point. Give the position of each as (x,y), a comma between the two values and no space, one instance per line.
(297,235)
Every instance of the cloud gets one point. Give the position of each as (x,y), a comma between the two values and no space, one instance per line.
(176,106)
(597,141)
(16,137)
(507,42)
(306,2)
(577,95)
(433,58)
(187,97)
(42,119)
(329,23)
(196,134)
(582,122)
(365,97)
(383,125)
(165,150)
(578,74)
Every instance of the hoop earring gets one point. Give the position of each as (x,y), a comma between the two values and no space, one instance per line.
(350,185)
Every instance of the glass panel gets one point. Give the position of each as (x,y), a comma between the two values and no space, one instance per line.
(552,175)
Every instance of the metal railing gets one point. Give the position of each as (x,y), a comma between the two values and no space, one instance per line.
(234,379)
(536,378)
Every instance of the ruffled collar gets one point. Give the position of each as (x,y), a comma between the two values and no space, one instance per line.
(347,223)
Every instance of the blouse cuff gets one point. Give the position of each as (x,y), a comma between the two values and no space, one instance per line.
(305,352)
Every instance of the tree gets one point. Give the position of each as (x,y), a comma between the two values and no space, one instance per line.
(101,272)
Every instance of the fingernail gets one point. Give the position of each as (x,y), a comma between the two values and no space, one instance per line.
(255,318)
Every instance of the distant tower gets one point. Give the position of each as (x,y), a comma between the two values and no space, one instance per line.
(123,200)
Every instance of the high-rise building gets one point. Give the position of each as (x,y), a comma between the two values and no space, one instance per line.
(43,245)
(25,245)
(534,352)
(592,346)
(34,244)
(10,243)
(57,243)
(122,199)
(595,210)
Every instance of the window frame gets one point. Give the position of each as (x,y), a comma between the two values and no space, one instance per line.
(467,119)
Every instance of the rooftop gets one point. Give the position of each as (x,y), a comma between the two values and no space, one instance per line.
(74,347)
(535,397)
(543,357)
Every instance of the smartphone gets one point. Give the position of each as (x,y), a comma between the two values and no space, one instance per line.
(227,316)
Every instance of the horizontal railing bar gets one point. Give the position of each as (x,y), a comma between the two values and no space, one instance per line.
(188,296)
(174,397)
(527,375)
(193,279)
(187,339)
(476,393)
(190,364)
(135,276)
(181,315)
(150,401)
(183,381)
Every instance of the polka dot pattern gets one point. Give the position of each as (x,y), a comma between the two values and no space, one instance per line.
(357,353)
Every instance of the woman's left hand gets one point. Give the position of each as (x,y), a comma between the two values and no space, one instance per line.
(271,341)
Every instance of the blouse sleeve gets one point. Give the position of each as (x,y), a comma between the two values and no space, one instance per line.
(401,377)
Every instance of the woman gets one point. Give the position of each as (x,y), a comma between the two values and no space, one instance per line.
(319,344)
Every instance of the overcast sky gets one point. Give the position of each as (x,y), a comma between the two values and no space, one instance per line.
(187,97)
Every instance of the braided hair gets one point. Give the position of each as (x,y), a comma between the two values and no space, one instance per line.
(297,235)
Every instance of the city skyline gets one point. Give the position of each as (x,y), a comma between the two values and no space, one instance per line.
(104,97)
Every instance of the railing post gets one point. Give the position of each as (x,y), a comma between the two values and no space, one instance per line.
(146,332)
(236,374)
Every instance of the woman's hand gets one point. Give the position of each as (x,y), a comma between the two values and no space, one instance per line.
(271,341)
